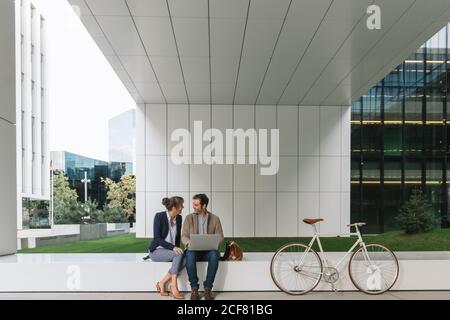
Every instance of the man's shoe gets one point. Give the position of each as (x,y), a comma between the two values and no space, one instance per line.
(208,294)
(194,294)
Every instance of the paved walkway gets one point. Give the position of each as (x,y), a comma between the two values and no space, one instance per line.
(394,295)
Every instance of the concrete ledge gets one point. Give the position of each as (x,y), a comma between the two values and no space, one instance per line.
(127,272)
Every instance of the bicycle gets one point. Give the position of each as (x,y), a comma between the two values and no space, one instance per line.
(297,268)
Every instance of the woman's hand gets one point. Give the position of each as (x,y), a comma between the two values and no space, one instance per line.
(178,250)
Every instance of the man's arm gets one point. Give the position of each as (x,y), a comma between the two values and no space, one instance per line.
(219,231)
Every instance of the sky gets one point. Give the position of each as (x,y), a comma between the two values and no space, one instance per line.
(84,91)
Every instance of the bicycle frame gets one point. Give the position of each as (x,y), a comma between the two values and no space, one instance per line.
(317,235)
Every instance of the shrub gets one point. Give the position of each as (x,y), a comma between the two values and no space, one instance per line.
(114,215)
(417,214)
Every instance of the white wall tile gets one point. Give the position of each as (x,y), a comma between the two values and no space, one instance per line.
(200,177)
(309,174)
(243,214)
(156,129)
(156,173)
(140,129)
(140,215)
(223,207)
(265,214)
(345,174)
(309,208)
(287,175)
(178,177)
(222,117)
(330,211)
(141,175)
(288,125)
(153,205)
(222,177)
(244,177)
(330,174)
(199,113)
(264,182)
(345,212)
(287,214)
(244,118)
(330,131)
(346,130)
(178,115)
(309,131)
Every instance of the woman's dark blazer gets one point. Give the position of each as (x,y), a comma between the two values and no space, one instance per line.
(161,230)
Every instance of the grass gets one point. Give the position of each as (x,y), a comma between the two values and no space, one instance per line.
(437,240)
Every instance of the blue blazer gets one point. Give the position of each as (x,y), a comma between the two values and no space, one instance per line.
(161,230)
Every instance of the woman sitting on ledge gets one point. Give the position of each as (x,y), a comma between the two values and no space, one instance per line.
(165,246)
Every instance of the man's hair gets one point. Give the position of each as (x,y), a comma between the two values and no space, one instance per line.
(202,197)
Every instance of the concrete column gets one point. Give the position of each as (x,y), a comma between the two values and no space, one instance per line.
(8,187)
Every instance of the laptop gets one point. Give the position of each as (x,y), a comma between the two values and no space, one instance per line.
(204,242)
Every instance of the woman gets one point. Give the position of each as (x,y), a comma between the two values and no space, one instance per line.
(165,246)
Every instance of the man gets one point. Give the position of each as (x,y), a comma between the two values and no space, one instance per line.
(201,222)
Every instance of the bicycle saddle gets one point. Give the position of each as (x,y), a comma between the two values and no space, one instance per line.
(312,220)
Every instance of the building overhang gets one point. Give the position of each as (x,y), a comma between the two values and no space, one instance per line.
(274,52)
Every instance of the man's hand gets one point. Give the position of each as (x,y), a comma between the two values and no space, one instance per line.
(178,250)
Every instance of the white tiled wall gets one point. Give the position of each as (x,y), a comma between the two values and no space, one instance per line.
(313,178)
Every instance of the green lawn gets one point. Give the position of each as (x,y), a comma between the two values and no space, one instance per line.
(438,240)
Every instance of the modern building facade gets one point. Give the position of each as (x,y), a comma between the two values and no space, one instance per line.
(296,66)
(400,138)
(33,161)
(74,167)
(122,138)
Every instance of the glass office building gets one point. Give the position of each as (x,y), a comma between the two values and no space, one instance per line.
(401,139)
(74,167)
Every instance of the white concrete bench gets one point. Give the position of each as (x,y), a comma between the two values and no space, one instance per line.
(128,272)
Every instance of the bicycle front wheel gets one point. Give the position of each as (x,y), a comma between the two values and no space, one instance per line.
(295,269)
(373,270)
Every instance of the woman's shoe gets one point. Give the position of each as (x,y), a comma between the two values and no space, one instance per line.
(175,293)
(161,291)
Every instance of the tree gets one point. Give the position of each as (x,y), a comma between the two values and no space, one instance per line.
(64,199)
(122,195)
(417,214)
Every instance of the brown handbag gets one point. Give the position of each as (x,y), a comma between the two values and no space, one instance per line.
(233,252)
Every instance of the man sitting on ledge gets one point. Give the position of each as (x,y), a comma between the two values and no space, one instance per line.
(201,222)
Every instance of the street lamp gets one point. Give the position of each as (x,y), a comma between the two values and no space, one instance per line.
(85,181)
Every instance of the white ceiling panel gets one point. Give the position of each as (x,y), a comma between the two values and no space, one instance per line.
(222,93)
(122,34)
(157,35)
(189,9)
(175,92)
(139,68)
(92,26)
(224,70)
(148,8)
(348,10)
(108,7)
(322,55)
(198,92)
(104,46)
(195,69)
(226,37)
(261,36)
(228,9)
(118,68)
(191,36)
(308,9)
(167,69)
(268,9)
(150,91)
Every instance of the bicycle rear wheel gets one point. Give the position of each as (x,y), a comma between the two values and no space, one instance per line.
(295,269)
(373,271)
